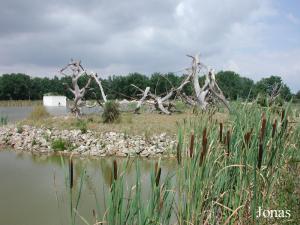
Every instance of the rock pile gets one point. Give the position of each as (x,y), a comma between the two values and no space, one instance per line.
(40,140)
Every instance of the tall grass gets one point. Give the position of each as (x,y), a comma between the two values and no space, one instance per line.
(39,112)
(228,182)
(225,172)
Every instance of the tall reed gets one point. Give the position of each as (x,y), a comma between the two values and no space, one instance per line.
(215,182)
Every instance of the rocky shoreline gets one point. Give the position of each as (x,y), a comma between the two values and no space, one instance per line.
(40,140)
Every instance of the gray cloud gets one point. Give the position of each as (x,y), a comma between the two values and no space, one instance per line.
(115,37)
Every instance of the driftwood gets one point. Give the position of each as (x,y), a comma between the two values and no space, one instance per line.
(210,85)
(201,94)
(77,71)
(95,76)
(158,102)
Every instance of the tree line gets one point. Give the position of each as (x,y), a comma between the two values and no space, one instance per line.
(24,87)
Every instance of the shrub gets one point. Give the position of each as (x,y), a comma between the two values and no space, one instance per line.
(59,144)
(111,112)
(20,129)
(82,125)
(39,112)
(33,142)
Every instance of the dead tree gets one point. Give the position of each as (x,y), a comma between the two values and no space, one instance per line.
(95,76)
(200,99)
(210,85)
(76,70)
(275,92)
(158,102)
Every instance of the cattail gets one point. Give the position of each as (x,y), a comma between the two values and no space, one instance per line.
(228,142)
(178,153)
(161,201)
(260,155)
(192,145)
(282,114)
(263,127)
(274,128)
(221,131)
(155,168)
(157,178)
(284,125)
(205,133)
(115,170)
(71,172)
(204,146)
(225,140)
(247,138)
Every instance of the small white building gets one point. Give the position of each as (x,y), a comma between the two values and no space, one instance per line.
(52,100)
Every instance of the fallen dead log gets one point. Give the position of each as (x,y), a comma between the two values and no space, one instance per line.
(202,94)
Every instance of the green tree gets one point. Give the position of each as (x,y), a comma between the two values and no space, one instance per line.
(234,86)
(15,86)
(265,86)
(298,95)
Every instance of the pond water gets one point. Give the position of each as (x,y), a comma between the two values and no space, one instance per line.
(16,113)
(33,189)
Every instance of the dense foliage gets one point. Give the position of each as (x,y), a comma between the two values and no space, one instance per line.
(21,86)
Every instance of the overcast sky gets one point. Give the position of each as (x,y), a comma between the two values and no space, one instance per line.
(256,38)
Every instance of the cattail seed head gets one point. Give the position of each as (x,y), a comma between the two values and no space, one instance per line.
(192,145)
(247,137)
(282,114)
(178,154)
(115,169)
(204,147)
(228,142)
(260,155)
(263,127)
(274,128)
(157,178)
(71,169)
(221,131)
(155,168)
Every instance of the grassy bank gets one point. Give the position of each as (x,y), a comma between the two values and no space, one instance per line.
(226,170)
(129,123)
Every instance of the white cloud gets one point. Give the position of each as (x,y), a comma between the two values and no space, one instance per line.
(263,64)
(144,36)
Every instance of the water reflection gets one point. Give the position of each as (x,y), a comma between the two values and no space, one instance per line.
(33,189)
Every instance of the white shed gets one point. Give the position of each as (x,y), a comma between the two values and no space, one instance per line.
(54,100)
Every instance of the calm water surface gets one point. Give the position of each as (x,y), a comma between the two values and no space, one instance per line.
(16,113)
(33,190)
